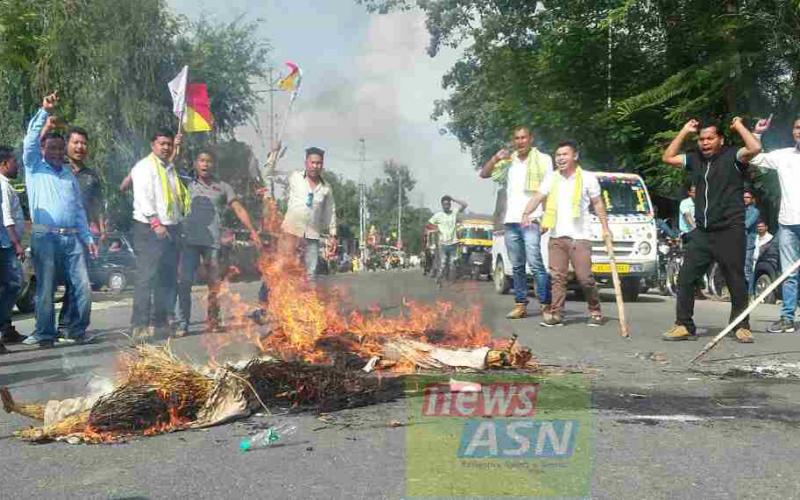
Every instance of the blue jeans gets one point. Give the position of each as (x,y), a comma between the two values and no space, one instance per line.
(311,258)
(789,246)
(10,284)
(749,272)
(190,259)
(524,245)
(447,258)
(65,251)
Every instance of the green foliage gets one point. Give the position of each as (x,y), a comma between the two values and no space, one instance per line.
(619,76)
(110,61)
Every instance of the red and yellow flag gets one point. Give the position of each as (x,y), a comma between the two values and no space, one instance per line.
(291,82)
(197,117)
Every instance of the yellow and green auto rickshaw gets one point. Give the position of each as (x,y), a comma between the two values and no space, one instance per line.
(475,247)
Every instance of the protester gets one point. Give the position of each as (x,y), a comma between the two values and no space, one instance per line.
(569,193)
(11,251)
(445,222)
(786,162)
(160,201)
(201,239)
(91,186)
(60,230)
(763,238)
(522,173)
(718,171)
(751,216)
(311,211)
(686,222)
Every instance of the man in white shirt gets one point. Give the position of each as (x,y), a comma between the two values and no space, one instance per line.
(569,192)
(310,213)
(522,174)
(686,222)
(763,237)
(445,223)
(160,201)
(786,162)
(11,251)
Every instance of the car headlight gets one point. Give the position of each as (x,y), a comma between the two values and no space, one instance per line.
(644,248)
(663,249)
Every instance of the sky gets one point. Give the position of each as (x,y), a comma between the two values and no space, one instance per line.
(364,76)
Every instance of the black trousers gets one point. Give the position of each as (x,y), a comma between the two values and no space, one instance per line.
(727,248)
(156,275)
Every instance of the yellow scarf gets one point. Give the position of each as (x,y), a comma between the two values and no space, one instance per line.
(549,220)
(184,199)
(535,171)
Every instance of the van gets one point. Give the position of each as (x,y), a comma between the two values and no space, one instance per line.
(633,229)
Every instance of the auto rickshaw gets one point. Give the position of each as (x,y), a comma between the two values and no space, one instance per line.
(475,247)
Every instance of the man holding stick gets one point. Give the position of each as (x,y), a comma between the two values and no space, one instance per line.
(786,162)
(569,193)
(718,172)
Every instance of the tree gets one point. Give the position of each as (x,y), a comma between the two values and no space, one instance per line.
(620,76)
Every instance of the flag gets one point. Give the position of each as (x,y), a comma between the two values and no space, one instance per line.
(291,82)
(198,111)
(177,87)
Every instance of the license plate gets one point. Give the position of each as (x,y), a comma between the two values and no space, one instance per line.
(606,268)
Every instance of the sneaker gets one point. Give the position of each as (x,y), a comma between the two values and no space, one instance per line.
(744,336)
(33,340)
(11,336)
(86,338)
(679,332)
(781,326)
(552,321)
(520,311)
(595,321)
(3,349)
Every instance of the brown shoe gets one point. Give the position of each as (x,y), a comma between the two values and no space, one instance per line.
(744,336)
(520,311)
(546,314)
(679,332)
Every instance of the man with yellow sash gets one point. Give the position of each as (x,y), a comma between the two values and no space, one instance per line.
(160,201)
(521,174)
(569,193)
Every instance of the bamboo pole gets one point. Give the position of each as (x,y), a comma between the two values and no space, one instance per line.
(747,311)
(623,324)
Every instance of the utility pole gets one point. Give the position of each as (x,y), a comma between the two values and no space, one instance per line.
(362,204)
(399,207)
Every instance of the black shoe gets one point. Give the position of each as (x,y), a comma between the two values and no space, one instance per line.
(781,326)
(3,349)
(11,336)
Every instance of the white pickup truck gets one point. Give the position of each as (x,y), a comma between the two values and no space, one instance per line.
(633,227)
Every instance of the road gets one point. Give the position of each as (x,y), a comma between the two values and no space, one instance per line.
(656,429)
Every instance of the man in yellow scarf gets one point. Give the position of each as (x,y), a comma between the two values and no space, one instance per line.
(160,201)
(521,174)
(569,194)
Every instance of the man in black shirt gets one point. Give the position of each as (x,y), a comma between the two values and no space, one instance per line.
(718,172)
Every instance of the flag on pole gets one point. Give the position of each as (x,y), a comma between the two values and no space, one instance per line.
(291,82)
(198,109)
(177,87)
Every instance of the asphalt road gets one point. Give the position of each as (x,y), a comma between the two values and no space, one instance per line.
(650,427)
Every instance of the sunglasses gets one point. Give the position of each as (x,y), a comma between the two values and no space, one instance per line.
(310,200)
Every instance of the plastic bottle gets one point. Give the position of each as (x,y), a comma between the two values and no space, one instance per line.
(267,437)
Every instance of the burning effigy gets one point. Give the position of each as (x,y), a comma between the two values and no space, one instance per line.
(314,355)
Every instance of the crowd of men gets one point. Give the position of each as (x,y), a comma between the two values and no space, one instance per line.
(176,228)
(723,225)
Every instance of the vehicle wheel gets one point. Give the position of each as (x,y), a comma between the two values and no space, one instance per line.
(673,270)
(630,289)
(762,282)
(117,283)
(716,283)
(502,283)
(26,301)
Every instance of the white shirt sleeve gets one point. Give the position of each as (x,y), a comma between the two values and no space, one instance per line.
(5,204)
(765,160)
(547,184)
(591,185)
(143,194)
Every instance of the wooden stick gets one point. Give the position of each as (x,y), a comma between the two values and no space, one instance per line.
(623,324)
(747,311)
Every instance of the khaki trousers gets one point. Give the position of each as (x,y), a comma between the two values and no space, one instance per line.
(579,252)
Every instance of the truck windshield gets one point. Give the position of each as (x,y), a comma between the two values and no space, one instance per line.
(624,196)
